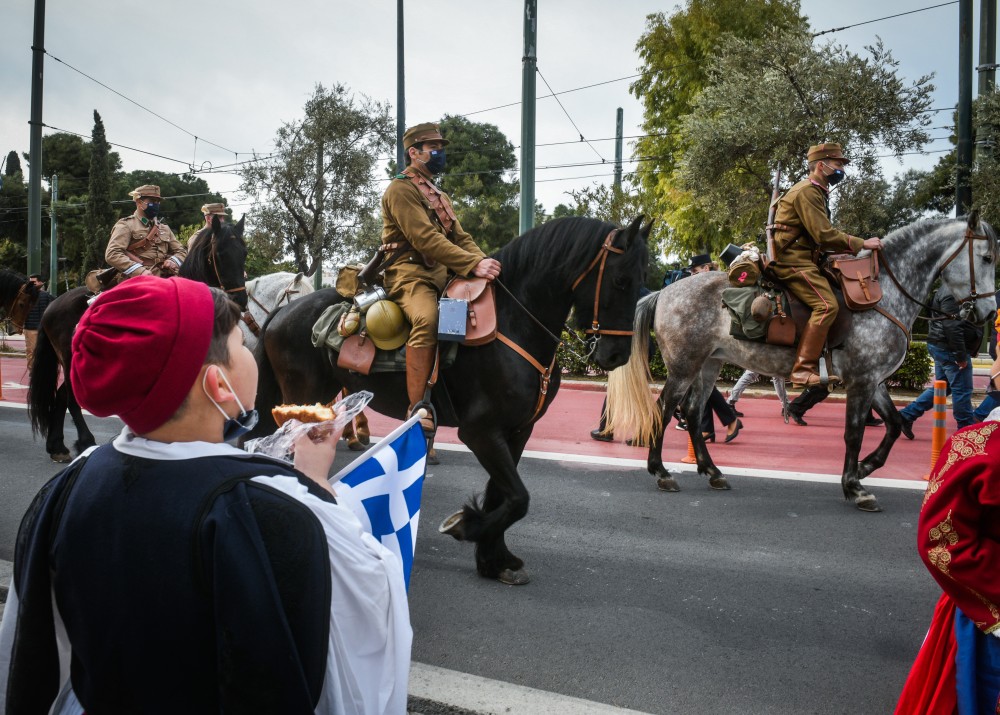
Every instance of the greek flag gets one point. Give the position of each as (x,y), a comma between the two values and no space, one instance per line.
(383,486)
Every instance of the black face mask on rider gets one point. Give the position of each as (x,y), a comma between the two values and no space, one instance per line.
(835,177)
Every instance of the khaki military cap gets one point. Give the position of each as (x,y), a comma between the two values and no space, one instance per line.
(423,133)
(830,150)
(216,209)
(147,191)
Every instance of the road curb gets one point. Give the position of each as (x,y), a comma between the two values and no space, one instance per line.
(6,573)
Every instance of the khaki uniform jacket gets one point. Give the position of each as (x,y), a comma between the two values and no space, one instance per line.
(805,209)
(197,236)
(128,232)
(406,215)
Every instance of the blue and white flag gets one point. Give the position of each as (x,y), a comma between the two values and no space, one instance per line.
(383,486)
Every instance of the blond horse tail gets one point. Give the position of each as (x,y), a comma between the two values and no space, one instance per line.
(632,407)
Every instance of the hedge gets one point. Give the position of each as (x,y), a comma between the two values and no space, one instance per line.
(913,374)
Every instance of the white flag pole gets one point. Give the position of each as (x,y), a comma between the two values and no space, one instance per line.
(399,431)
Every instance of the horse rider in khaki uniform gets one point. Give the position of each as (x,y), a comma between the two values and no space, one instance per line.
(141,245)
(416,213)
(802,233)
(208,211)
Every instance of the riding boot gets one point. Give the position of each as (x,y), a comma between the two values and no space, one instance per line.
(419,363)
(805,372)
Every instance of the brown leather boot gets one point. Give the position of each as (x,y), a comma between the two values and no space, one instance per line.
(419,363)
(805,372)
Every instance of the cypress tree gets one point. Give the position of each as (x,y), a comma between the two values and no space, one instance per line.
(100,216)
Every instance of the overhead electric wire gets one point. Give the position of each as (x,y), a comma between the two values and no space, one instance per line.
(887,17)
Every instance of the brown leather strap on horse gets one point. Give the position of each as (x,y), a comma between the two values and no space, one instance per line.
(969,237)
(894,319)
(212,260)
(601,258)
(251,323)
(545,374)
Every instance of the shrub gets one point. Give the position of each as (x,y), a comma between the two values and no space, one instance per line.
(915,371)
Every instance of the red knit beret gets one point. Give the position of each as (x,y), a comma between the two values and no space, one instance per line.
(139,348)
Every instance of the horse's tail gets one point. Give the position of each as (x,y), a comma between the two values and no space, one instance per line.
(631,406)
(42,385)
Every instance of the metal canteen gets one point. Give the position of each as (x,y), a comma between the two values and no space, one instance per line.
(364,301)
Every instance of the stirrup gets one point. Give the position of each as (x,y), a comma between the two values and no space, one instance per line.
(428,423)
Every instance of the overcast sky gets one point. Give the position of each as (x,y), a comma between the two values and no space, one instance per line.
(232,72)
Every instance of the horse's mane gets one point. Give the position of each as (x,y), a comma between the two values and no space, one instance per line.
(906,235)
(561,244)
(10,282)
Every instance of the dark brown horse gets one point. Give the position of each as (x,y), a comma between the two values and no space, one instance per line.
(493,393)
(17,296)
(218,260)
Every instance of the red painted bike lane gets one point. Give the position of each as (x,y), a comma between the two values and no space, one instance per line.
(764,443)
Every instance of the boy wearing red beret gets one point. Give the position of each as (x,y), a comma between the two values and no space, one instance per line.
(170,572)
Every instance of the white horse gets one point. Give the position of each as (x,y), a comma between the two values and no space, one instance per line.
(266,293)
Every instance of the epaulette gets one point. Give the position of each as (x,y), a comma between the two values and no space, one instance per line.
(402,176)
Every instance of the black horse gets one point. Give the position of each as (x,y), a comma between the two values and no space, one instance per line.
(17,297)
(218,260)
(492,393)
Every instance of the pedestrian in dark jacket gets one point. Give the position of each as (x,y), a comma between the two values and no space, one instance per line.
(952,343)
(34,319)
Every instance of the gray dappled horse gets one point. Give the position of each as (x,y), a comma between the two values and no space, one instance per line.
(692,330)
(266,293)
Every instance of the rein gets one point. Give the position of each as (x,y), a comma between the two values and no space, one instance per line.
(967,239)
(545,374)
(20,306)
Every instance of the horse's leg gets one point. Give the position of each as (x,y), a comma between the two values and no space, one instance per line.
(883,405)
(504,503)
(694,410)
(84,437)
(859,401)
(54,440)
(667,401)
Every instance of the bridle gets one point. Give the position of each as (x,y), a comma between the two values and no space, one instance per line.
(251,321)
(601,258)
(17,314)
(213,261)
(968,302)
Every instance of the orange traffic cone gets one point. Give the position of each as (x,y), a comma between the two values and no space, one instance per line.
(690,458)
(939,433)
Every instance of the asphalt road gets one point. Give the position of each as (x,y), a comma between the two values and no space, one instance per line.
(776,597)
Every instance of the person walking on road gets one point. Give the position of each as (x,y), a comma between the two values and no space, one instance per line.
(34,319)
(170,572)
(952,343)
(748,378)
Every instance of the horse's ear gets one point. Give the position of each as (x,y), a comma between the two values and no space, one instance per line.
(239,226)
(647,229)
(633,230)
(974,220)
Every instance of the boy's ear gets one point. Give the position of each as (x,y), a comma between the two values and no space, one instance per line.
(216,386)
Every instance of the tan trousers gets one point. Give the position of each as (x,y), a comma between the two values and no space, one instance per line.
(813,289)
(418,299)
(30,341)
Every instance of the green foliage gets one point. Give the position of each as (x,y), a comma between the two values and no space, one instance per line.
(183,196)
(676,53)
(12,165)
(319,186)
(986,173)
(915,371)
(100,216)
(479,158)
(13,212)
(735,136)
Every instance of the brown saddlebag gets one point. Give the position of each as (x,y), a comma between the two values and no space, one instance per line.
(481,320)
(357,353)
(780,330)
(858,279)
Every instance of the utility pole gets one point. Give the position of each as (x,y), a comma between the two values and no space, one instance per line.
(987,68)
(35,143)
(618,149)
(400,90)
(53,252)
(528,64)
(963,191)
(320,192)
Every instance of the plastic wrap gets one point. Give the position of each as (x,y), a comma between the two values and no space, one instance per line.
(281,444)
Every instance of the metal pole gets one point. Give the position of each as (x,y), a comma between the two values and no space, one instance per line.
(400,89)
(53,252)
(618,148)
(987,45)
(963,191)
(528,64)
(35,143)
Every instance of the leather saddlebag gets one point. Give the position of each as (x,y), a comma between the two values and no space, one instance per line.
(481,323)
(858,278)
(780,330)
(357,353)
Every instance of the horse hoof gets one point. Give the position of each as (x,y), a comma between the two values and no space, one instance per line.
(355,445)
(453,525)
(61,457)
(364,438)
(867,503)
(720,483)
(667,484)
(432,456)
(513,578)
